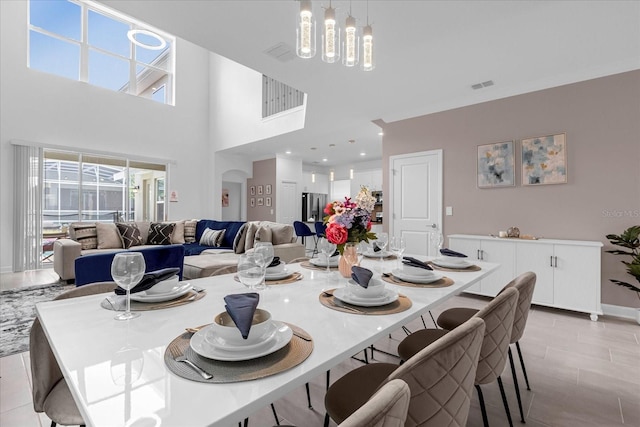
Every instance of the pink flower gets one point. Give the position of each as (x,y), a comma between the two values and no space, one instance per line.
(336,233)
(329,208)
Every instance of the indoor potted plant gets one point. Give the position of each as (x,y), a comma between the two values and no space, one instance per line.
(630,241)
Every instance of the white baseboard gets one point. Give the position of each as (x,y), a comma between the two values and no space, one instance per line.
(6,269)
(620,311)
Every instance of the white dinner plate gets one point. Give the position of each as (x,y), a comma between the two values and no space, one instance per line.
(379,254)
(177,292)
(321,261)
(435,276)
(281,338)
(343,294)
(278,275)
(448,264)
(218,342)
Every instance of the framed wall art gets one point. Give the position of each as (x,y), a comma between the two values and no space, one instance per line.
(544,160)
(496,165)
(260,201)
(252,190)
(225,197)
(267,189)
(259,189)
(252,202)
(267,201)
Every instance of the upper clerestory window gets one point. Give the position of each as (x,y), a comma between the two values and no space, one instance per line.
(87,42)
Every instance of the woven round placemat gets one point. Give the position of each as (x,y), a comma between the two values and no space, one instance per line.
(442,283)
(309,266)
(472,267)
(292,354)
(387,257)
(328,300)
(294,277)
(119,302)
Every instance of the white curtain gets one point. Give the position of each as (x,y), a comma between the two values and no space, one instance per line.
(27,215)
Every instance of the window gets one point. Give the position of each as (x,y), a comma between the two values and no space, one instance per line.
(85,41)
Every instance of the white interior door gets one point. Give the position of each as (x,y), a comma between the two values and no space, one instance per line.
(416,199)
(288,199)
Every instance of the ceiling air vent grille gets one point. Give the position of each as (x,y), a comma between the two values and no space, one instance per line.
(282,52)
(481,85)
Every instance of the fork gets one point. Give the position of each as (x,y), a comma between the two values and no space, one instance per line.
(175,353)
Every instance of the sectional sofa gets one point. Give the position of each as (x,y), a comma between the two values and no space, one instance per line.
(206,246)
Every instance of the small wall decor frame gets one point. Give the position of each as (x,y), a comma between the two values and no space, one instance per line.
(252,190)
(267,189)
(544,160)
(252,202)
(496,165)
(267,201)
(260,201)
(260,189)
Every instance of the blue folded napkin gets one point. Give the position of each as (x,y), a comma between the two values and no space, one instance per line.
(413,262)
(361,276)
(275,262)
(376,248)
(149,279)
(449,252)
(241,308)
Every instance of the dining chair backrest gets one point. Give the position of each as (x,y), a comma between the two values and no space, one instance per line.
(320,229)
(525,284)
(386,408)
(302,229)
(441,377)
(498,317)
(44,367)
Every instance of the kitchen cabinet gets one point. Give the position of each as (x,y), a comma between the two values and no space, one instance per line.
(567,271)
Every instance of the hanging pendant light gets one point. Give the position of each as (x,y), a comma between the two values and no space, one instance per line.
(330,36)
(305,31)
(367,45)
(350,49)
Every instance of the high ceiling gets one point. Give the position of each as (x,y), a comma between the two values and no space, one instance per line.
(428,54)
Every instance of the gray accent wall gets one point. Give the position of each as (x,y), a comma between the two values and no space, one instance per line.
(601,119)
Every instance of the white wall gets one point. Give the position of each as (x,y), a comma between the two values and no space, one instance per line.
(236,107)
(226,168)
(52,110)
(290,170)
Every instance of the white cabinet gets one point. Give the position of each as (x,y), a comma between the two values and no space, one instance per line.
(371,179)
(568,271)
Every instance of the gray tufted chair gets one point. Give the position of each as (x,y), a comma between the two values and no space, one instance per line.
(440,377)
(51,394)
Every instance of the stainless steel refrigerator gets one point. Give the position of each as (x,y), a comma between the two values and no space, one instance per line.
(313,206)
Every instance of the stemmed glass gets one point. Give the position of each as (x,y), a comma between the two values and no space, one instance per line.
(127,269)
(266,250)
(381,242)
(437,240)
(327,249)
(397,246)
(251,270)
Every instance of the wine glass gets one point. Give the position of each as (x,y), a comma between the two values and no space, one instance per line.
(381,242)
(266,250)
(251,270)
(397,246)
(327,249)
(437,241)
(127,269)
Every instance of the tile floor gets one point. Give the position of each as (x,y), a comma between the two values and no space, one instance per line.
(582,373)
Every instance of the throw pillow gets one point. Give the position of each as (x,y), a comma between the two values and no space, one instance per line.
(129,234)
(238,241)
(263,234)
(177,236)
(160,234)
(282,233)
(252,227)
(84,233)
(190,231)
(212,237)
(108,236)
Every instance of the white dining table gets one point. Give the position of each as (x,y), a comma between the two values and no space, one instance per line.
(88,343)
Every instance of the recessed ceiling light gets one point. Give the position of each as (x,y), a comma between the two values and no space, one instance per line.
(324,160)
(332,145)
(363,154)
(380,133)
(313,148)
(288,152)
(352,141)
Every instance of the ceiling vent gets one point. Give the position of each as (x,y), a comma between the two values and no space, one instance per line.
(282,52)
(481,85)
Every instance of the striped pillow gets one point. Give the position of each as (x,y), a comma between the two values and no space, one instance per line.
(190,231)
(86,234)
(212,237)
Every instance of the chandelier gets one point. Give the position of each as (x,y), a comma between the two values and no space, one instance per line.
(334,46)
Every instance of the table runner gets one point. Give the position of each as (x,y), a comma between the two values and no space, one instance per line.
(119,302)
(442,283)
(292,354)
(328,300)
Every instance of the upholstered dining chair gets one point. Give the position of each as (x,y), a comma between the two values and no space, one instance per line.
(440,377)
(303,230)
(51,394)
(498,316)
(525,284)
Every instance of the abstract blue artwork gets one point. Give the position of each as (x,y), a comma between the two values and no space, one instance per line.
(496,165)
(544,160)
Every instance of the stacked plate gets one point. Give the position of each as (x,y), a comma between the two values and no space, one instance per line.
(373,296)
(374,254)
(416,275)
(321,261)
(277,272)
(151,295)
(452,262)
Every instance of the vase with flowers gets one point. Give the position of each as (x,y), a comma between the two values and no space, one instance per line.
(349,223)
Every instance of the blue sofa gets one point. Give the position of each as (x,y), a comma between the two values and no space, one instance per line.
(97,267)
(232,228)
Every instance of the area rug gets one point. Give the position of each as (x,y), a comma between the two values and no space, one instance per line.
(17,311)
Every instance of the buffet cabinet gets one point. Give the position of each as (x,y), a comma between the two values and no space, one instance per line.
(568,271)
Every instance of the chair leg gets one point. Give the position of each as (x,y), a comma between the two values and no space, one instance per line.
(246,422)
(485,420)
(433,320)
(515,384)
(53,424)
(308,395)
(524,370)
(326,419)
(504,401)
(275,414)
(328,379)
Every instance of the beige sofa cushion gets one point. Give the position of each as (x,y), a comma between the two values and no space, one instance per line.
(177,236)
(84,233)
(263,234)
(108,236)
(238,242)
(143,226)
(250,237)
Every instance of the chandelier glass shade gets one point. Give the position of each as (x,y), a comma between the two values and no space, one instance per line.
(305,31)
(330,37)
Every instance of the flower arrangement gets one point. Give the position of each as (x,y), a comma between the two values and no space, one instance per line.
(350,221)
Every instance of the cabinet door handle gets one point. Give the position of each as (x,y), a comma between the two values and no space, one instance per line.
(551,261)
(478,254)
(481,254)
(555,261)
